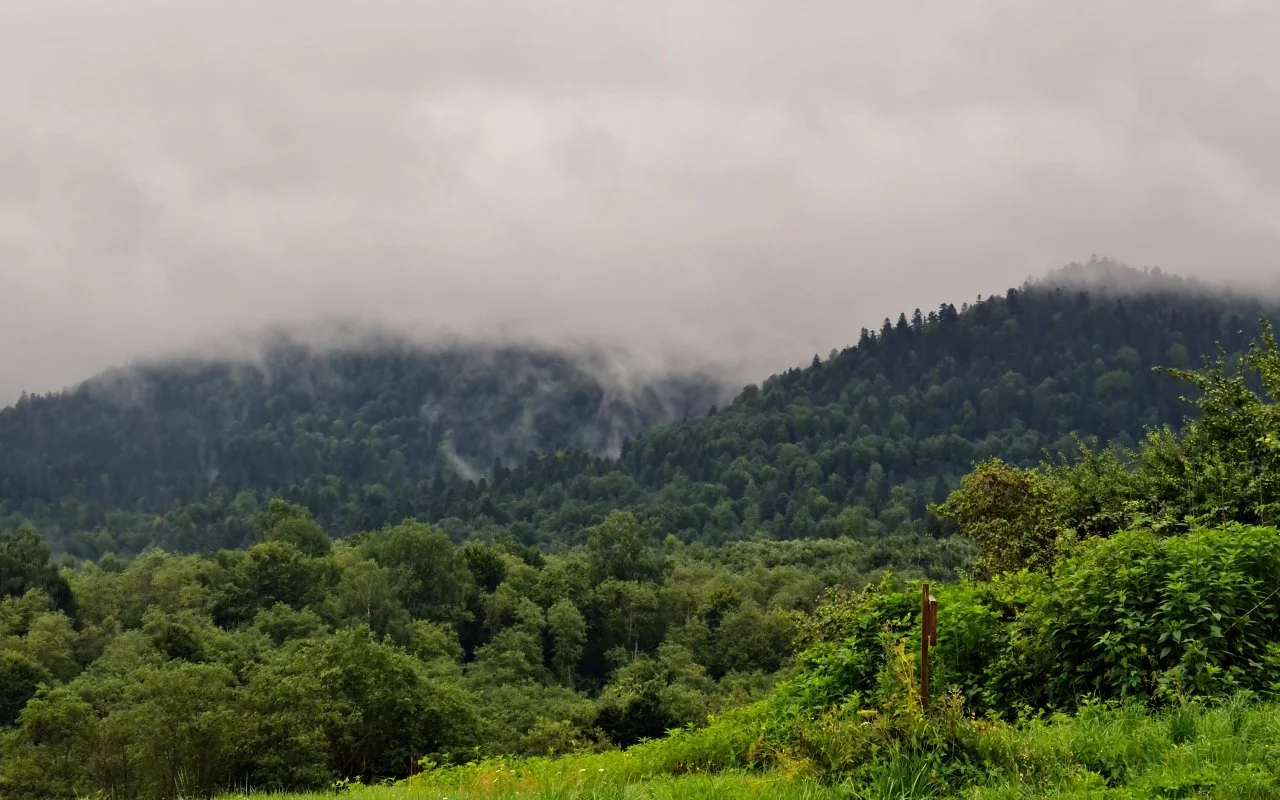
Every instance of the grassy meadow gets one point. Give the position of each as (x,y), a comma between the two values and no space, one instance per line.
(1226,750)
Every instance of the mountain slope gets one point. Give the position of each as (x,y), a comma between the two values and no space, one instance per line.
(385,412)
(859,444)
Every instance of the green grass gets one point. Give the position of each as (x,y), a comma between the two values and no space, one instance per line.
(722,786)
(1231,750)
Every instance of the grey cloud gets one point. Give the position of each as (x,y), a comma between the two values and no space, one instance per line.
(747,181)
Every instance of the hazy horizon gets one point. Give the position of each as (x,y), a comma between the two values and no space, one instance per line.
(741,183)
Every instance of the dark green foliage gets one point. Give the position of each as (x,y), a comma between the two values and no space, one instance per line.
(353,433)
(580,602)
(279,669)
(281,623)
(1223,466)
(429,576)
(150,731)
(293,524)
(567,631)
(20,677)
(651,695)
(1010,513)
(1133,616)
(1144,616)
(486,564)
(620,549)
(278,572)
(863,443)
(374,705)
(859,444)
(24,565)
(854,633)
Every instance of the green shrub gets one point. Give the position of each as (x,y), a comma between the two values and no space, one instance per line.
(1131,616)
(1149,617)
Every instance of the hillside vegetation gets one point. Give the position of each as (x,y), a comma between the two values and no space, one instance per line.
(1124,642)
(1118,634)
(299,661)
(1221,750)
(859,444)
(347,421)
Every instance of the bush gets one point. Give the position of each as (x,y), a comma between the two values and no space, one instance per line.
(1132,616)
(1141,616)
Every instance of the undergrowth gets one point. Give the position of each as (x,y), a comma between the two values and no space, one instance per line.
(1227,749)
(1141,668)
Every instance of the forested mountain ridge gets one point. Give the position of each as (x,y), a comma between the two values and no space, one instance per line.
(1142,576)
(861,443)
(384,411)
(858,444)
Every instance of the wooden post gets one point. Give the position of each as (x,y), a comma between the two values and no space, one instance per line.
(928,637)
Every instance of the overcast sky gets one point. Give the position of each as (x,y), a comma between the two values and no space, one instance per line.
(750,181)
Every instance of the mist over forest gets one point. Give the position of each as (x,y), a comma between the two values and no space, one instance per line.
(745,184)
(576,400)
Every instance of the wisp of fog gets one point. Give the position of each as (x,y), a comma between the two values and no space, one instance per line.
(737,181)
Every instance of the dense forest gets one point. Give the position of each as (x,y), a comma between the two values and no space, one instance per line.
(300,661)
(1137,573)
(383,412)
(858,444)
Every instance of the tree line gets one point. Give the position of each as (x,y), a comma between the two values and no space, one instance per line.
(859,444)
(1143,575)
(301,660)
(1138,573)
(579,602)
